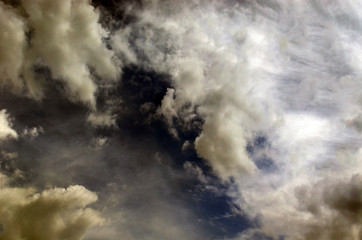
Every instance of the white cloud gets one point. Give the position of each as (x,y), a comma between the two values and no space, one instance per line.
(64,36)
(286,71)
(5,126)
(223,144)
(209,72)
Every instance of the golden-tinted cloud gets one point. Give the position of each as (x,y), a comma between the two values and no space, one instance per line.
(57,213)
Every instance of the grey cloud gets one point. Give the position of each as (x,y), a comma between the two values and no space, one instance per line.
(12,47)
(33,132)
(102,119)
(336,208)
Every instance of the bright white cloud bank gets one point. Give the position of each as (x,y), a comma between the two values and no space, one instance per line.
(288,71)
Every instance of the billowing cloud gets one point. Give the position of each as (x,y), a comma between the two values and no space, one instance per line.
(209,78)
(64,36)
(278,93)
(262,98)
(55,213)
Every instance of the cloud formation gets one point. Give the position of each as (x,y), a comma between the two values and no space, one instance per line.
(56,213)
(64,36)
(277,92)
(12,47)
(335,208)
(6,131)
(209,78)
(262,97)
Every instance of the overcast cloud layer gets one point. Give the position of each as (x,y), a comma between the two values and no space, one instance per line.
(155,119)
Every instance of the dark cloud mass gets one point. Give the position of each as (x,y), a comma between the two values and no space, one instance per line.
(183,120)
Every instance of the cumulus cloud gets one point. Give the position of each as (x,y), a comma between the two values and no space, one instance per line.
(56,213)
(224,146)
(64,36)
(275,87)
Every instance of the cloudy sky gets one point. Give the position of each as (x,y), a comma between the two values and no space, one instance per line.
(182,120)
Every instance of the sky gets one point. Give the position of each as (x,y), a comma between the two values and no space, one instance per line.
(182,120)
